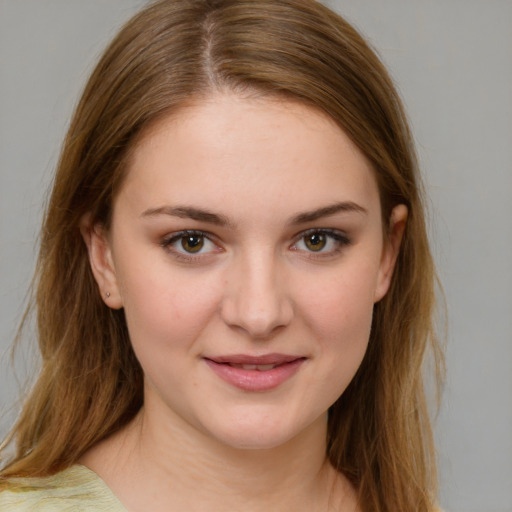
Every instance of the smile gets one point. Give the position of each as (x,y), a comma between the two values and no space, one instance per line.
(259,367)
(255,373)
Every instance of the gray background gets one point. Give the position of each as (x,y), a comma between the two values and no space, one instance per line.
(452,60)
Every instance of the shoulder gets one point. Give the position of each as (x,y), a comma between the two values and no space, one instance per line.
(75,489)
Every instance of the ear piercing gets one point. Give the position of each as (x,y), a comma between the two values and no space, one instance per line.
(107,295)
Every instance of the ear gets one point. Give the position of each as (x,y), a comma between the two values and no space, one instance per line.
(101,261)
(391,249)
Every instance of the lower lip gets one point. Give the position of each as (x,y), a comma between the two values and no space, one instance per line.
(255,380)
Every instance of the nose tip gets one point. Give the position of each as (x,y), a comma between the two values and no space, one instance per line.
(258,304)
(258,322)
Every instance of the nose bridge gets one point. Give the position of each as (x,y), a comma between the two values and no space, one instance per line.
(257,300)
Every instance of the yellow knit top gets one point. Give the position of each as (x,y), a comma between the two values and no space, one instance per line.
(76,489)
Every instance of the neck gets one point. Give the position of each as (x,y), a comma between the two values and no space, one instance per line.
(232,478)
(176,467)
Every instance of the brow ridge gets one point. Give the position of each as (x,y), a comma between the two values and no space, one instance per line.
(326,211)
(189,212)
(202,215)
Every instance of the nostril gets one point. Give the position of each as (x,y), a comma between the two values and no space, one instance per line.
(258,323)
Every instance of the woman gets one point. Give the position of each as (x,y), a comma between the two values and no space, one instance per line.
(234,289)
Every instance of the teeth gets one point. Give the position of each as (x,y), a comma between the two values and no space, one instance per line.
(265,367)
(259,367)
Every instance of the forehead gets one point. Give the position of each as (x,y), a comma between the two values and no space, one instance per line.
(227,149)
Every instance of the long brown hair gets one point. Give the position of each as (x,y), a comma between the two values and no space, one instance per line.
(90,383)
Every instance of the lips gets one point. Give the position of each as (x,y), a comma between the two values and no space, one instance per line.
(259,367)
(255,373)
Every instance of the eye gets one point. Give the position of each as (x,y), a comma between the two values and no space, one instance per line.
(321,241)
(192,243)
(315,241)
(189,243)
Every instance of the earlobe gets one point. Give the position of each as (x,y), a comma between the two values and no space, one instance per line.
(101,261)
(391,249)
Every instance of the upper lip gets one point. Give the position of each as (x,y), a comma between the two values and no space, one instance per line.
(248,359)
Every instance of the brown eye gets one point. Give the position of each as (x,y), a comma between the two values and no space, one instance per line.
(192,243)
(321,242)
(315,241)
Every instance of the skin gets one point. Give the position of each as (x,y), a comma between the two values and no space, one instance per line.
(266,280)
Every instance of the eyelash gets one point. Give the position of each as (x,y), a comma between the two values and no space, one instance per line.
(337,237)
(168,243)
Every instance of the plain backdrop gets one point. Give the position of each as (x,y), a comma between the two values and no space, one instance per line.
(452,61)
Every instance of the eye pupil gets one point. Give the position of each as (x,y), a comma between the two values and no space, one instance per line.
(315,241)
(192,243)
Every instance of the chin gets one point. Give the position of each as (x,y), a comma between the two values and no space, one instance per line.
(254,442)
(262,432)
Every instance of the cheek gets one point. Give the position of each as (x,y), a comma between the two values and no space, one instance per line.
(339,314)
(167,310)
(341,306)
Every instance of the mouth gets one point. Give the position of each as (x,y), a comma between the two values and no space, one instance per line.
(255,373)
(258,367)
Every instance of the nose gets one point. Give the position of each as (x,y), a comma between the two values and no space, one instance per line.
(256,298)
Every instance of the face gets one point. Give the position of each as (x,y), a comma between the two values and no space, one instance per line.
(246,248)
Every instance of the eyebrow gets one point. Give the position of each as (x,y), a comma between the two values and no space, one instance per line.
(327,211)
(189,212)
(199,214)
